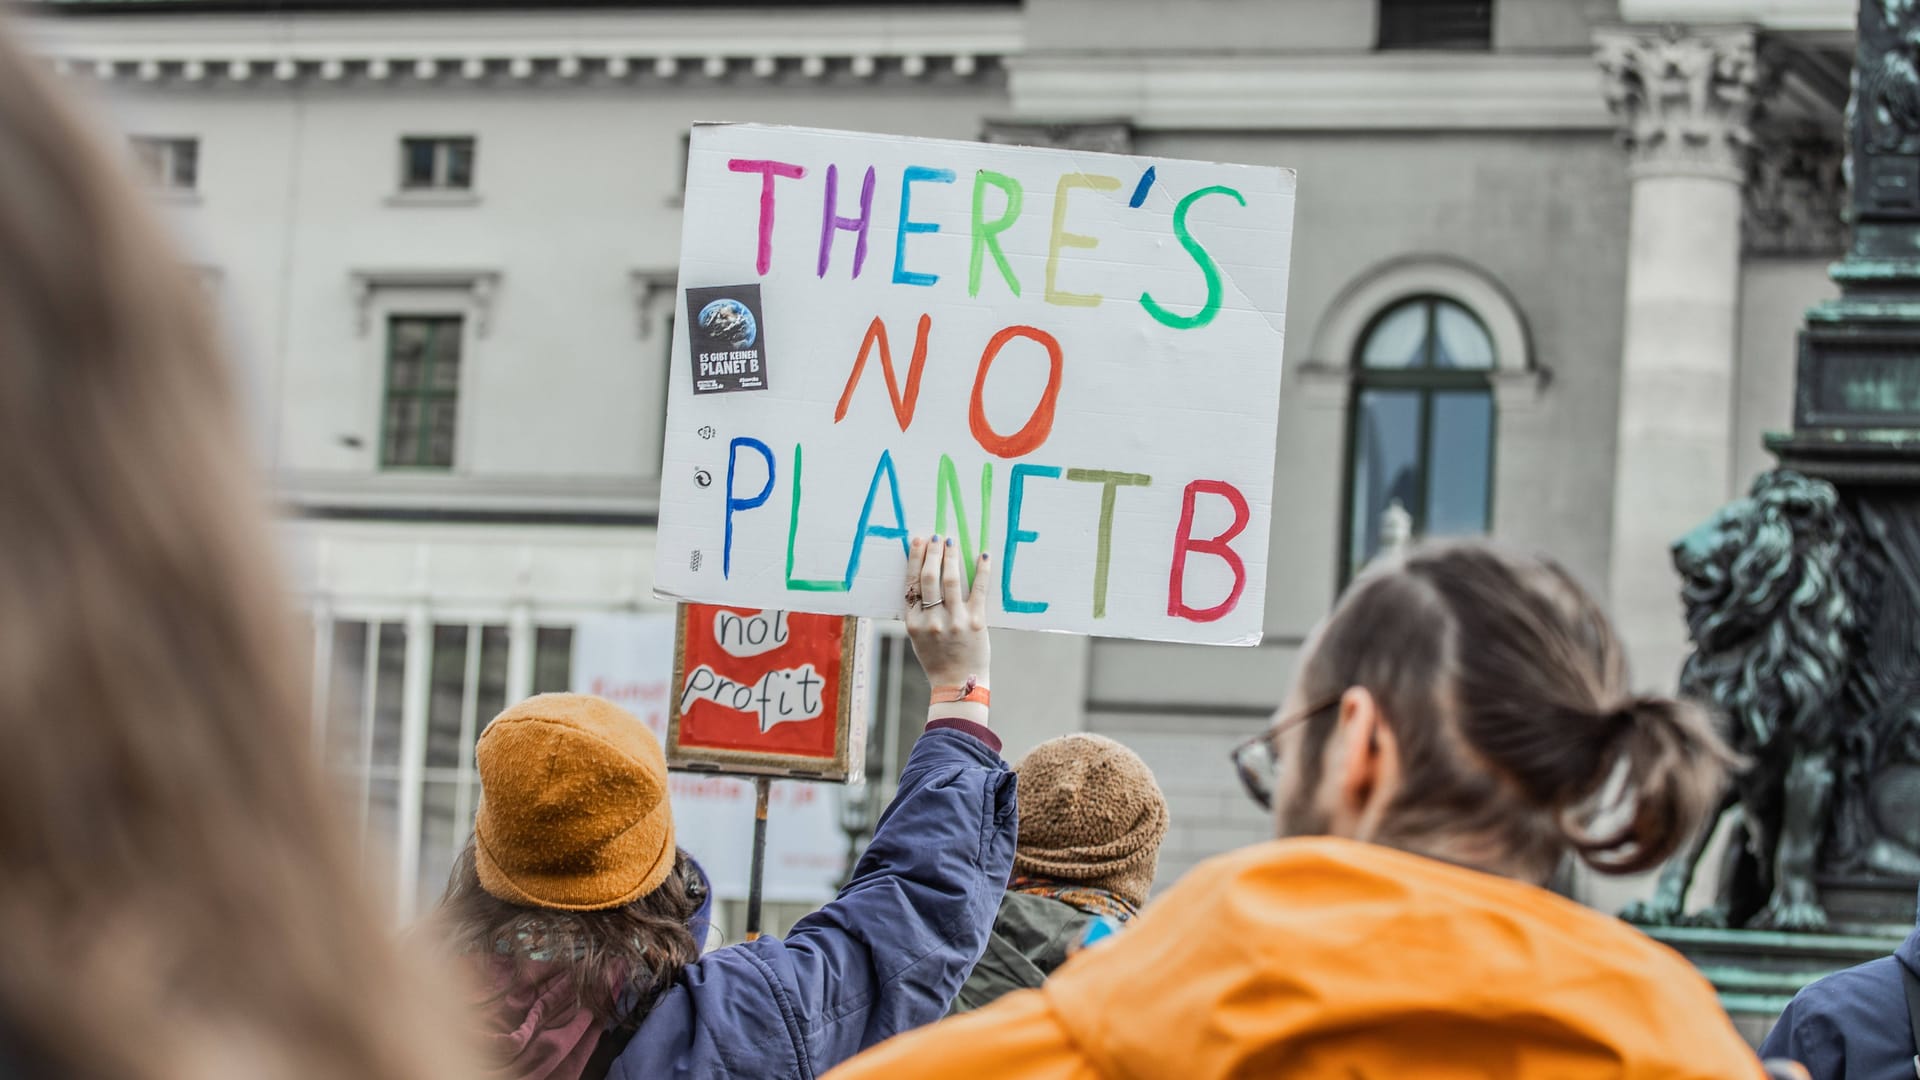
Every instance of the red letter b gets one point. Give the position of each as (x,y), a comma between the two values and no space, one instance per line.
(1184,541)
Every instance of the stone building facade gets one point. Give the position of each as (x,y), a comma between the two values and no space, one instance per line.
(1548,262)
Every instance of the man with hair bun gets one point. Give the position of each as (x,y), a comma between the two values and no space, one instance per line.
(1460,724)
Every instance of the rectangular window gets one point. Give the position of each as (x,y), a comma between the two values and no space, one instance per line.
(437,163)
(1436,24)
(172,164)
(423,391)
(361,725)
(468,688)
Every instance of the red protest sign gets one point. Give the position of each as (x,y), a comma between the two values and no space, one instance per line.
(768,693)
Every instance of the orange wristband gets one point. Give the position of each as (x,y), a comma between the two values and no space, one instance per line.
(971,690)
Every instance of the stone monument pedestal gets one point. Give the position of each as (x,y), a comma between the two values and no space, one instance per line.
(1756,972)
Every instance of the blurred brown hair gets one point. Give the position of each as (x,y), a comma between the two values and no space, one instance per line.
(1506,691)
(179,898)
(617,961)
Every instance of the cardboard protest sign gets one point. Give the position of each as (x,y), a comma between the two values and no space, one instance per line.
(628,659)
(1068,360)
(768,693)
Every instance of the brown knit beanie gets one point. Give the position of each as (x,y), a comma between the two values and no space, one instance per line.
(573,805)
(1090,812)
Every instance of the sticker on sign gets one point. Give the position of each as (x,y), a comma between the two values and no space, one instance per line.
(1068,361)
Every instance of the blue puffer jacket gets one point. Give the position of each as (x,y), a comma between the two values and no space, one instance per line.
(1853,1024)
(887,955)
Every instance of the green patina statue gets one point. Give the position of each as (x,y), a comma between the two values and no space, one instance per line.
(1800,609)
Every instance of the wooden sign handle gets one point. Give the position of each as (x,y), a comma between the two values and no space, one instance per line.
(758,874)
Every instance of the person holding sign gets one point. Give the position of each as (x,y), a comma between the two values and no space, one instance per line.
(1459,726)
(573,902)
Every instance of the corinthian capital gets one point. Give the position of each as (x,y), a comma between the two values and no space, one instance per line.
(1683,98)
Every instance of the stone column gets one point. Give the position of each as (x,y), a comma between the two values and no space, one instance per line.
(1683,99)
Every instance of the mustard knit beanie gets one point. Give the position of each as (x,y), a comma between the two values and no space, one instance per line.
(573,805)
(1090,812)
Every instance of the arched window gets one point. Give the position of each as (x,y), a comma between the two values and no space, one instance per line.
(1420,445)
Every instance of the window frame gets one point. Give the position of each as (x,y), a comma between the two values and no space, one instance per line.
(1428,381)
(163,176)
(424,394)
(1381,44)
(442,146)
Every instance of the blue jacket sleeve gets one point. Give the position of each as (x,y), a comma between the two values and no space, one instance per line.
(888,954)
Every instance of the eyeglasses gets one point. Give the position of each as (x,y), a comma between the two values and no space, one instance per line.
(1257,761)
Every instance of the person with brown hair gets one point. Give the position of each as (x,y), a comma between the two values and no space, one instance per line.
(180,897)
(574,904)
(1458,726)
(1091,821)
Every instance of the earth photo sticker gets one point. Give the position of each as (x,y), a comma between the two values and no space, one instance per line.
(727,339)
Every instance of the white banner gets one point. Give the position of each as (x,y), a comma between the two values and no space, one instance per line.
(628,659)
(1068,360)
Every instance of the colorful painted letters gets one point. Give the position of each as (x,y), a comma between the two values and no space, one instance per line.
(1097,336)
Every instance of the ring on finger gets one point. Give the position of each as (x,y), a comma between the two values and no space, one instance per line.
(929,605)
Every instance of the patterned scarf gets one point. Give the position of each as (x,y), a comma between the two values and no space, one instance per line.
(1084,898)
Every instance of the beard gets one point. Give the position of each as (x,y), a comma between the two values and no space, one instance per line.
(1300,815)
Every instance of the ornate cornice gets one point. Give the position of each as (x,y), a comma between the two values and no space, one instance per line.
(1390,91)
(480,286)
(1835,17)
(526,46)
(1683,98)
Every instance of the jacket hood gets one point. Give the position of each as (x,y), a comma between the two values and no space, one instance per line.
(1909,952)
(536,1029)
(702,922)
(1330,958)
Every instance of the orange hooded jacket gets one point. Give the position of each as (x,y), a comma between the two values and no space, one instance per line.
(1328,958)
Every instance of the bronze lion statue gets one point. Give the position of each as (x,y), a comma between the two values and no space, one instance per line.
(1771,606)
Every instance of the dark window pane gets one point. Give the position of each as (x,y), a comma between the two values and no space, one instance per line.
(1386,465)
(440,422)
(416,162)
(186,164)
(552,659)
(423,359)
(1459,341)
(445,348)
(401,445)
(459,157)
(383,829)
(447,695)
(1460,463)
(346,694)
(440,829)
(1436,24)
(388,692)
(1398,339)
(493,675)
(407,349)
